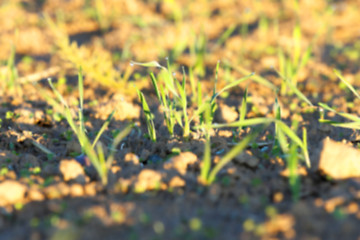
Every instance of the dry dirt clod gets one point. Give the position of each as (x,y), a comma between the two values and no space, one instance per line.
(176,182)
(76,190)
(57,190)
(90,189)
(35,194)
(247,158)
(132,158)
(181,162)
(148,180)
(72,170)
(339,161)
(225,114)
(11,192)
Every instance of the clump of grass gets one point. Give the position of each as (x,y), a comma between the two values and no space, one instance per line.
(94,151)
(173,98)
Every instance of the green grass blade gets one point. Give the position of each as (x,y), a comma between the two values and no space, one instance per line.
(345,115)
(207,148)
(339,75)
(216,77)
(349,125)
(243,107)
(282,141)
(295,89)
(297,44)
(294,180)
(148,116)
(67,111)
(230,155)
(81,99)
(102,163)
(255,78)
(292,135)
(102,129)
(244,123)
(226,34)
(305,58)
(231,85)
(116,142)
(148,64)
(154,82)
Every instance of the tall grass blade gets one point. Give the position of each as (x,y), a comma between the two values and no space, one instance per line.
(147,64)
(230,155)
(104,126)
(207,149)
(345,115)
(295,89)
(339,75)
(148,116)
(243,108)
(256,78)
(231,85)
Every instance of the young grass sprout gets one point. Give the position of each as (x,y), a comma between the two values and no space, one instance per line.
(93,150)
(173,99)
(355,120)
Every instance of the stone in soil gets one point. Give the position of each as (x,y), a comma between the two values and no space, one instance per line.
(225,114)
(72,170)
(247,159)
(148,180)
(181,162)
(11,192)
(339,161)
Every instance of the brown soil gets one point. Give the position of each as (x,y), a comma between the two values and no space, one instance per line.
(154,193)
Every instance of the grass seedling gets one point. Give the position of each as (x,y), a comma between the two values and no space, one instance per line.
(292,165)
(96,157)
(282,131)
(210,176)
(243,108)
(291,66)
(255,78)
(355,121)
(148,116)
(172,96)
(294,89)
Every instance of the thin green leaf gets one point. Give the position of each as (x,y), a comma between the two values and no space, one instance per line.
(148,116)
(230,155)
(256,78)
(345,115)
(295,89)
(104,126)
(243,108)
(116,142)
(147,64)
(339,75)
(154,82)
(231,85)
(244,123)
(81,98)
